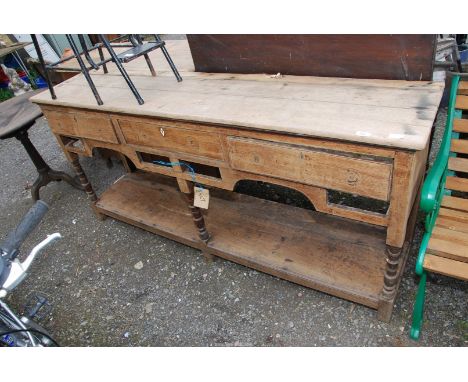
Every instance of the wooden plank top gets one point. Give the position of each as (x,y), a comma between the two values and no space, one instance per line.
(380,112)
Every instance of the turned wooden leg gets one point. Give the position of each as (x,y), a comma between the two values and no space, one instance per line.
(209,258)
(387,297)
(75,162)
(186,188)
(197,219)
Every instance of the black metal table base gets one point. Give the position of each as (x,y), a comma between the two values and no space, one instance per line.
(46,174)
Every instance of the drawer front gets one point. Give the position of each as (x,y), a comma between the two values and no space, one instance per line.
(162,136)
(95,126)
(83,125)
(358,176)
(60,122)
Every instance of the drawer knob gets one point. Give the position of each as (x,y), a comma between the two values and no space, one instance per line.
(162,131)
(353,177)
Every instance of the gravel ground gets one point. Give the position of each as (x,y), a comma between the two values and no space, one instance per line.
(112,284)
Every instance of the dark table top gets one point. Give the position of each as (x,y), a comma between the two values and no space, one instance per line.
(18,113)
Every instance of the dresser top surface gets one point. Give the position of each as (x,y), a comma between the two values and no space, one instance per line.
(380,112)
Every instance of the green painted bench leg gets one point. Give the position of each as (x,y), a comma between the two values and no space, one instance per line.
(419,308)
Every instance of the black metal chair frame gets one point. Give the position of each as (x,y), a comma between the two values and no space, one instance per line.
(137,48)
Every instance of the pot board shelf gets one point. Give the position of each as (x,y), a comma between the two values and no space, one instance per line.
(331,254)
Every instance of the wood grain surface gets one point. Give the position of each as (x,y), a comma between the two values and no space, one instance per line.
(305,247)
(401,57)
(386,113)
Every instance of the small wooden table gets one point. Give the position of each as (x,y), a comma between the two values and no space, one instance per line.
(367,139)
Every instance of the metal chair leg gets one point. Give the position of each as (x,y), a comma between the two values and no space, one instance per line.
(150,65)
(84,49)
(84,69)
(101,57)
(121,69)
(148,60)
(418,310)
(169,60)
(43,65)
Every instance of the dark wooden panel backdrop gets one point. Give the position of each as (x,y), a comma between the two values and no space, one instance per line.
(401,57)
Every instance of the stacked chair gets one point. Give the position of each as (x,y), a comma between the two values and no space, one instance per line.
(137,48)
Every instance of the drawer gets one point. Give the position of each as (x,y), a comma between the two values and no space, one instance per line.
(83,125)
(60,122)
(163,136)
(323,169)
(95,126)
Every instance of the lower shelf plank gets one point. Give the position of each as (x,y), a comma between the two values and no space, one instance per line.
(331,254)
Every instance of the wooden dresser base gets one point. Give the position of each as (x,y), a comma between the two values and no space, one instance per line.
(334,255)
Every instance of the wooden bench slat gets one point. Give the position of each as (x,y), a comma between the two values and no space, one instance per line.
(460,125)
(457,184)
(458,164)
(454,215)
(446,267)
(461,102)
(455,203)
(459,146)
(447,243)
(462,87)
(451,237)
(451,224)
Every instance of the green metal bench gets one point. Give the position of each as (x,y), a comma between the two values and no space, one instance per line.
(444,197)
